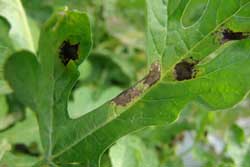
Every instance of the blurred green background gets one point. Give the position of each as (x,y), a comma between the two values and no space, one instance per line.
(199,138)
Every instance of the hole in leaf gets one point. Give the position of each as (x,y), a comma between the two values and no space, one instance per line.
(185,70)
(68,52)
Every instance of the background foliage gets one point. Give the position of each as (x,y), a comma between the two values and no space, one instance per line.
(199,137)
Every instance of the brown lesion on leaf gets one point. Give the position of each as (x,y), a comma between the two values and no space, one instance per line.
(127,96)
(185,70)
(130,94)
(68,52)
(154,75)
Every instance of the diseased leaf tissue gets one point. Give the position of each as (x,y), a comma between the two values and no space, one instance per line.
(151,78)
(68,52)
(229,35)
(191,59)
(185,70)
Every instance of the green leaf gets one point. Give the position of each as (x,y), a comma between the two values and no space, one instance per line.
(84,97)
(17,160)
(131,151)
(38,10)
(51,77)
(102,78)
(118,18)
(26,72)
(4,106)
(157,21)
(15,34)
(5,47)
(20,32)
(9,120)
(12,112)
(246,162)
(5,146)
(5,41)
(26,133)
(237,146)
(237,135)
(206,61)
(204,155)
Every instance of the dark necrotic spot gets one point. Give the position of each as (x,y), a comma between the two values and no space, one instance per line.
(29,150)
(184,70)
(229,35)
(68,52)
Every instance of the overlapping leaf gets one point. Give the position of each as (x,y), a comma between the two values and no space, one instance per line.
(20,32)
(15,34)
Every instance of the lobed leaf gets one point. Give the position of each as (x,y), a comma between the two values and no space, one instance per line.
(204,57)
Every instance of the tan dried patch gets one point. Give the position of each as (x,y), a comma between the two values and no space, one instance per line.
(154,75)
(127,96)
